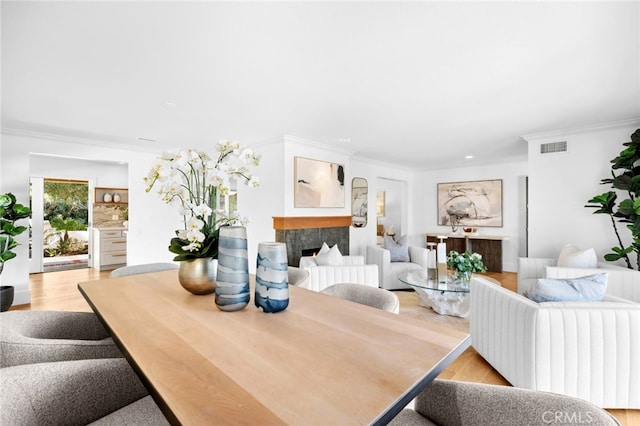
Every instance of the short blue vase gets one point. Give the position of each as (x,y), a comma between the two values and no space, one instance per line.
(272,283)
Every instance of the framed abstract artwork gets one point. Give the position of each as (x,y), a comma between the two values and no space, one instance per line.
(318,183)
(474,203)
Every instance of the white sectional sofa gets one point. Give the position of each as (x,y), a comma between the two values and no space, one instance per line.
(352,270)
(621,282)
(588,350)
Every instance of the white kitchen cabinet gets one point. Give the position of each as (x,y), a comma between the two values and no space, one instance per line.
(109,248)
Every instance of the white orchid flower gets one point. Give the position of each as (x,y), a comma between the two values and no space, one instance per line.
(191,247)
(188,179)
(202,210)
(195,235)
(254,182)
(193,223)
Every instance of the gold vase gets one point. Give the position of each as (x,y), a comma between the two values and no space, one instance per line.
(198,276)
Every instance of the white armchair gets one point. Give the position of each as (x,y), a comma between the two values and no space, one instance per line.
(621,282)
(388,271)
(588,350)
(353,270)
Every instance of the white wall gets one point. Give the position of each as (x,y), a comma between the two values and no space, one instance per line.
(101,173)
(561,184)
(425,211)
(261,204)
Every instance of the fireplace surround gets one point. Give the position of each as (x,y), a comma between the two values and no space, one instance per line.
(309,232)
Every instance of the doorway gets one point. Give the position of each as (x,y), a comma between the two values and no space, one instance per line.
(392,215)
(60,220)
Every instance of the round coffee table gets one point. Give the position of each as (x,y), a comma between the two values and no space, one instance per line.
(449,298)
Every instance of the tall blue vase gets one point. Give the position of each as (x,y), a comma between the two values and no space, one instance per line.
(272,283)
(232,288)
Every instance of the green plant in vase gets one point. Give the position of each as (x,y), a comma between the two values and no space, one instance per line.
(464,264)
(10,213)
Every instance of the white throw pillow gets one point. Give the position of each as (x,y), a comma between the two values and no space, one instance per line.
(584,289)
(572,257)
(324,249)
(332,257)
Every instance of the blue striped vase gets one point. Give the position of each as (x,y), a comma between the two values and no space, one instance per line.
(272,285)
(232,288)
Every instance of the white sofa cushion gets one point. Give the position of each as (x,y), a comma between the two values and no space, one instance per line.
(621,282)
(572,257)
(590,288)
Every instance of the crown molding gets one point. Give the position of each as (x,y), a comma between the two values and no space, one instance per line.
(103,143)
(584,129)
(315,144)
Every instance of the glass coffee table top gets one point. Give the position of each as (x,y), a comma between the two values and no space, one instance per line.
(420,279)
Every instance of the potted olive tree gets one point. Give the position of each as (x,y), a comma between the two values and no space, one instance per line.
(10,213)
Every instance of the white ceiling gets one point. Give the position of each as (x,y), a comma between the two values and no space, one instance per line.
(415,83)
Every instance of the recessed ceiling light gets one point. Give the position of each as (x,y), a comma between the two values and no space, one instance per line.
(344,139)
(468,157)
(141,139)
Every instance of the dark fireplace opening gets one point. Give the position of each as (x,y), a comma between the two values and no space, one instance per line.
(300,240)
(310,251)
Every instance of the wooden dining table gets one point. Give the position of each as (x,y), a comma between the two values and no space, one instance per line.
(322,361)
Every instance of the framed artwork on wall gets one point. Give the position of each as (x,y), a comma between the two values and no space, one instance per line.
(318,183)
(473,203)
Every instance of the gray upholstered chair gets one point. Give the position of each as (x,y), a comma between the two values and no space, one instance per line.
(297,276)
(143,412)
(29,337)
(450,403)
(365,295)
(142,269)
(76,393)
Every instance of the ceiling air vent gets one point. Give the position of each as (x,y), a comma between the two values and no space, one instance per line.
(552,147)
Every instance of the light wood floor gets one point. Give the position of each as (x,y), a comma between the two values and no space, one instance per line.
(58,291)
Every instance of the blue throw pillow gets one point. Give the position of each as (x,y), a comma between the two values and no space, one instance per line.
(584,289)
(399,252)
